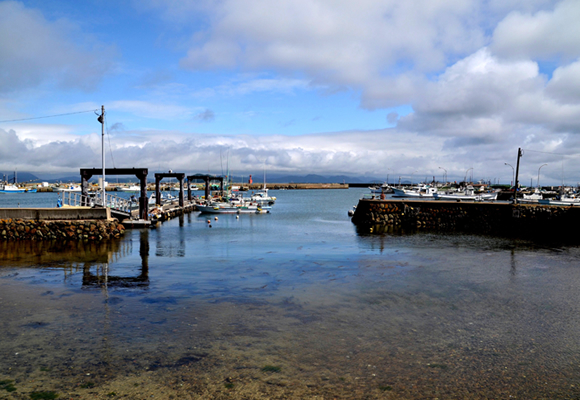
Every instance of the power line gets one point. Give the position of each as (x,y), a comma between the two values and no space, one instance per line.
(47,116)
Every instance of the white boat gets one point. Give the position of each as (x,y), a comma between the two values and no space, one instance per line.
(419,191)
(467,193)
(9,188)
(68,188)
(378,189)
(262,197)
(131,189)
(534,197)
(164,198)
(235,205)
(228,208)
(565,200)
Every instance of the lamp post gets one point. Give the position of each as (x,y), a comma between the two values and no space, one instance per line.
(444,175)
(539,174)
(513,171)
(465,178)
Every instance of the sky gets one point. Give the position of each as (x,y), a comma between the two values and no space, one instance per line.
(388,89)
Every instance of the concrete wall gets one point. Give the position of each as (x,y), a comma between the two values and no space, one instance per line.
(51,214)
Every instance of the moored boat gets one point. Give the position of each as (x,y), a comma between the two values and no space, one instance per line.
(419,191)
(467,193)
(9,188)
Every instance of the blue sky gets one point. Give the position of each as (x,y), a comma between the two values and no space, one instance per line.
(307,86)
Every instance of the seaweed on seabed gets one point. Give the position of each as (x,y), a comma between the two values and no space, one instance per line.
(8,385)
(43,395)
(271,368)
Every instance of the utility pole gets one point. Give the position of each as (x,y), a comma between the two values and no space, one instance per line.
(520,154)
(101,119)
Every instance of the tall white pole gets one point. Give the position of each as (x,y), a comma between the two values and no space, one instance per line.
(103,153)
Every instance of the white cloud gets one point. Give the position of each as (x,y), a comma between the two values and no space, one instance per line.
(36,51)
(546,34)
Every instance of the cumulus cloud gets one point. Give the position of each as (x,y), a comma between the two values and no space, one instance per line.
(36,51)
(546,34)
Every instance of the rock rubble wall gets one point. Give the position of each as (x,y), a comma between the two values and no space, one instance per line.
(91,230)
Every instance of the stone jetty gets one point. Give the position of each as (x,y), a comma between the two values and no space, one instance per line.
(59,224)
(375,215)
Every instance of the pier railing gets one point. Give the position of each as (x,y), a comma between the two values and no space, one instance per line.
(76,199)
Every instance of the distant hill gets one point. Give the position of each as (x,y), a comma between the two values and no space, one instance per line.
(270,178)
(20,177)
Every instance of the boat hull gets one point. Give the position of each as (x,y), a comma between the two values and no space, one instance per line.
(214,209)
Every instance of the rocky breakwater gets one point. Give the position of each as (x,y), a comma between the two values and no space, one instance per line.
(89,230)
(476,217)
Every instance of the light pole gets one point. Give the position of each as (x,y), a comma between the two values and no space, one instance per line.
(444,175)
(513,172)
(539,174)
(465,178)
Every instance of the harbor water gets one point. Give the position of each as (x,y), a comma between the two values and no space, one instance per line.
(291,304)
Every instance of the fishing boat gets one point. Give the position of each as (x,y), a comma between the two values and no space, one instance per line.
(9,188)
(67,188)
(378,189)
(468,193)
(130,189)
(419,191)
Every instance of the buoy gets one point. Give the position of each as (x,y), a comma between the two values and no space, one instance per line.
(237,217)
(209,225)
(208,221)
(216,218)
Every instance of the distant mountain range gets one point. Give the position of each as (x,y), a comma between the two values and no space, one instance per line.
(23,177)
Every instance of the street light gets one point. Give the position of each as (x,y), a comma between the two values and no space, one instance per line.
(539,174)
(513,172)
(465,178)
(445,175)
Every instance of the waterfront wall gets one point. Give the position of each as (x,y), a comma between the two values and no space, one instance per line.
(91,230)
(476,217)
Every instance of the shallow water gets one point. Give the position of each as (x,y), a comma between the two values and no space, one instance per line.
(189,311)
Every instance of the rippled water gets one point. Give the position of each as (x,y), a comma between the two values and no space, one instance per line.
(292,304)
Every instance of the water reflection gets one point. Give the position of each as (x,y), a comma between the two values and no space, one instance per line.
(102,277)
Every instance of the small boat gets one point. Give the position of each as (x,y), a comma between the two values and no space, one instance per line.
(262,197)
(235,206)
(419,191)
(9,188)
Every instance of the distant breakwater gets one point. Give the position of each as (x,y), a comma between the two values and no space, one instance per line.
(528,220)
(89,230)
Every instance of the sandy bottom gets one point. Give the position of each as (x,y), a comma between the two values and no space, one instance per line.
(332,342)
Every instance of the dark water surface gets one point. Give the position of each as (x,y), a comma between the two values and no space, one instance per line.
(292,304)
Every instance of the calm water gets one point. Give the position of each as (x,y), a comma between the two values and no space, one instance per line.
(292,304)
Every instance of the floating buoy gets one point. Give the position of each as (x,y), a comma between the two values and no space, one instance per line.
(209,225)
(208,221)
(237,217)
(216,218)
